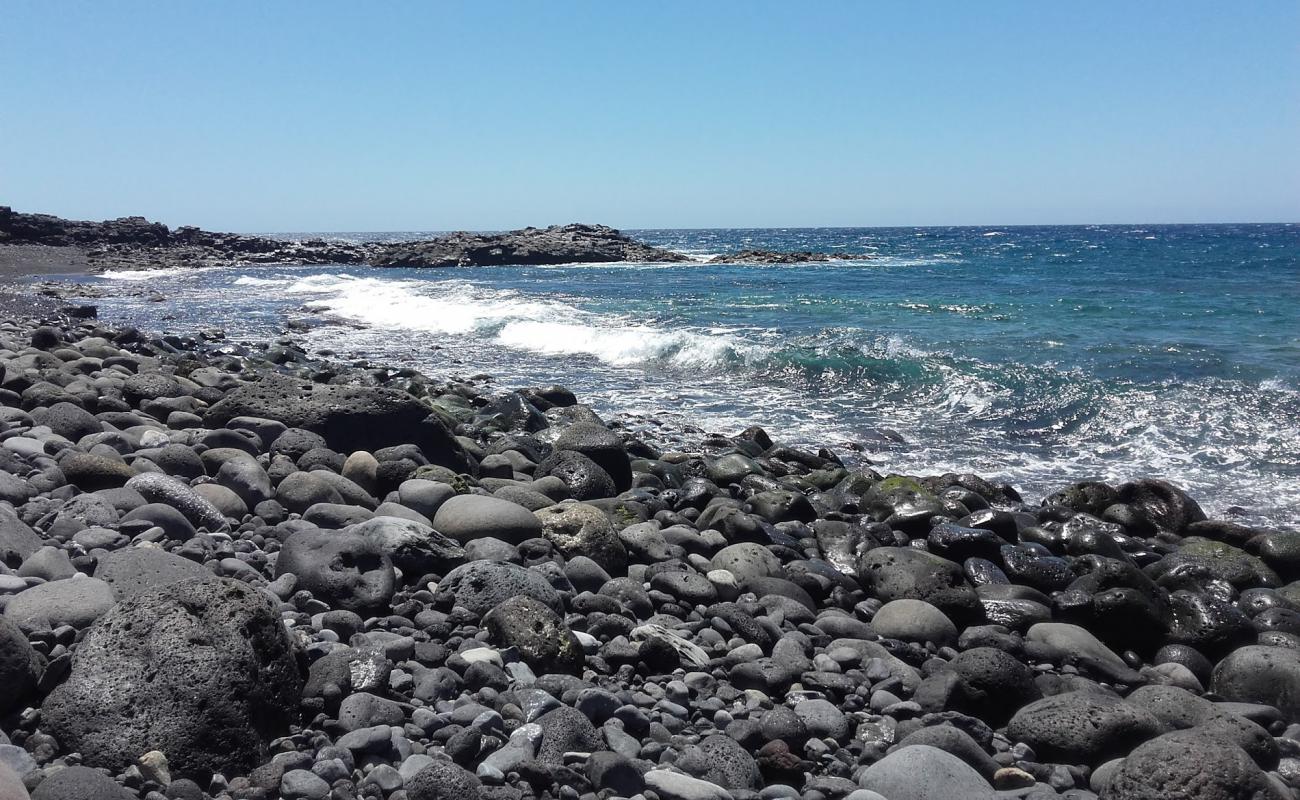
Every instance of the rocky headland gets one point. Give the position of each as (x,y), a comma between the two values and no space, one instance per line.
(136,243)
(237,570)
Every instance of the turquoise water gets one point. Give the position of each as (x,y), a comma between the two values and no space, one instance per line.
(1039,355)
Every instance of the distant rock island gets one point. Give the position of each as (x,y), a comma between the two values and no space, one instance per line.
(137,243)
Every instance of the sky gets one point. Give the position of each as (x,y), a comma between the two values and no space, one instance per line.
(327,116)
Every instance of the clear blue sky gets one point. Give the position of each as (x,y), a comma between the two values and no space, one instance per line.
(421,115)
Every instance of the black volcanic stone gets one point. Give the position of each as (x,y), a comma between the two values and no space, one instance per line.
(202,670)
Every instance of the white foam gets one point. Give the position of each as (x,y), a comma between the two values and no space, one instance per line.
(249,280)
(145,274)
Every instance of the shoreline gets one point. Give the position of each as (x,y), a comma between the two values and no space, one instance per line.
(742,603)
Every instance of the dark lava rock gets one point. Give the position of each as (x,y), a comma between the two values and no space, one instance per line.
(602,446)
(20,666)
(586,479)
(480,586)
(1082,727)
(542,638)
(1261,674)
(566,730)
(1164,504)
(894,573)
(202,670)
(1185,766)
(558,244)
(348,417)
(443,780)
(343,569)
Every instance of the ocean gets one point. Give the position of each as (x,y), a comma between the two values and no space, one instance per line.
(1035,355)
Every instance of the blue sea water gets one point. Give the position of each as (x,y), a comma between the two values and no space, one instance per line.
(1038,355)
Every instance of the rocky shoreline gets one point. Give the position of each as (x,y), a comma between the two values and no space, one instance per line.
(136,243)
(246,572)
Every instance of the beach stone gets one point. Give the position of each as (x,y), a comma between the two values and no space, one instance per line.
(602,446)
(300,491)
(921,772)
(11,785)
(1082,727)
(1261,674)
(954,740)
(174,524)
(17,539)
(77,602)
(415,548)
(537,632)
(244,476)
(231,505)
(202,670)
(140,569)
(730,765)
(467,517)
(914,621)
(70,421)
(615,773)
(20,666)
(443,780)
(425,497)
(48,563)
(90,472)
(1185,766)
(822,719)
(577,529)
(898,573)
(1081,647)
(747,561)
(342,569)
(365,710)
(584,478)
(1164,504)
(302,784)
(481,586)
(992,684)
(348,417)
(362,468)
(566,729)
(670,785)
(79,783)
(158,488)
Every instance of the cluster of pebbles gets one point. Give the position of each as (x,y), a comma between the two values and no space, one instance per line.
(244,572)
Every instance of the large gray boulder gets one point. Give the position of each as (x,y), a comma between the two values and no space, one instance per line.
(349,417)
(201,670)
(17,539)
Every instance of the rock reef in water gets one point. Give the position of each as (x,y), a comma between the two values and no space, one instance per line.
(135,243)
(784,257)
